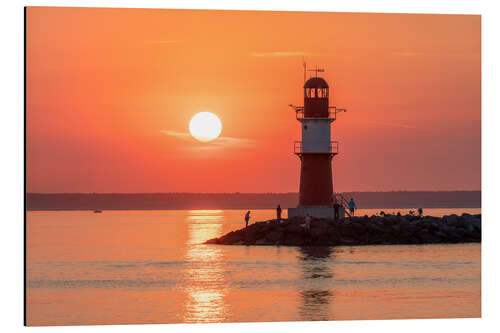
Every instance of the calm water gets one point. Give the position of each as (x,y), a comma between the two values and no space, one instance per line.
(123,267)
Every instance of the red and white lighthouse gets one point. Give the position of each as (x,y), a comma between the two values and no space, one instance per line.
(316,150)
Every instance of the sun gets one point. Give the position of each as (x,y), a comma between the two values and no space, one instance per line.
(205,126)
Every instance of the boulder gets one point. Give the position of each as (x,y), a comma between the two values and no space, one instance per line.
(425,223)
(231,237)
(213,241)
(284,223)
(294,240)
(359,228)
(427,238)
(379,239)
(250,235)
(333,235)
(472,235)
(404,236)
(460,232)
(349,231)
(462,222)
(275,236)
(396,230)
(317,232)
(319,236)
(355,219)
(294,228)
(381,228)
(440,234)
(318,223)
(345,240)
(476,223)
(411,227)
(392,220)
(450,219)
(263,241)
(469,227)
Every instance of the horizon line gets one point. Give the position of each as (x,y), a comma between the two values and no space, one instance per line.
(357,191)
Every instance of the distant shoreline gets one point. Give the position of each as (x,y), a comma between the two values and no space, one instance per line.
(229,201)
(204,208)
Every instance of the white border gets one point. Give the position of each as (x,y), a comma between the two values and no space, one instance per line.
(12,157)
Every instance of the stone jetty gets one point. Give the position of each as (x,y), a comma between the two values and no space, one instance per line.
(384,229)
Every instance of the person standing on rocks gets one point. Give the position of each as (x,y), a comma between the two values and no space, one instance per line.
(336,208)
(247,218)
(420,212)
(278,212)
(307,223)
(352,206)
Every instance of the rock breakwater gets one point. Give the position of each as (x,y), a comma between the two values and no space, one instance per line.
(387,229)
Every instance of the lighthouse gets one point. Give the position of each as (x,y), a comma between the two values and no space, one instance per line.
(316,150)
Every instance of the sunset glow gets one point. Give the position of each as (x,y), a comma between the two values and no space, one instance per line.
(103,86)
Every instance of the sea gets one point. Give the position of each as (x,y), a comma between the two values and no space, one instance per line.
(137,267)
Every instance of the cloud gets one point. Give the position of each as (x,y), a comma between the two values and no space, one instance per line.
(225,141)
(179,135)
(220,142)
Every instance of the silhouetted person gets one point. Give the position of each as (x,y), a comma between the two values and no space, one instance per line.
(336,208)
(307,223)
(247,218)
(278,212)
(352,206)
(420,212)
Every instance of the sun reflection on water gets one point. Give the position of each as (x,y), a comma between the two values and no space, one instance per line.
(205,277)
(315,297)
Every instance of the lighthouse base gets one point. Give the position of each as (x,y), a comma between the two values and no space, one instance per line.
(319,212)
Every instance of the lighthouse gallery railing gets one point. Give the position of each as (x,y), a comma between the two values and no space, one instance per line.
(298,148)
(332,113)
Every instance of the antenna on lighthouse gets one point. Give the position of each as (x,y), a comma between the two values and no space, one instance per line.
(316,70)
(305,68)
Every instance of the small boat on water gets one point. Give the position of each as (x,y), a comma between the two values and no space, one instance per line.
(97,211)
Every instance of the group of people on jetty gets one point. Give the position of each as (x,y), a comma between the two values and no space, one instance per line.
(307,224)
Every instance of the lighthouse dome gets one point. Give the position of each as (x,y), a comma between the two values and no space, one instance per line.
(316,82)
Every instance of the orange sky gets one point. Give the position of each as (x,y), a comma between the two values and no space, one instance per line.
(107,88)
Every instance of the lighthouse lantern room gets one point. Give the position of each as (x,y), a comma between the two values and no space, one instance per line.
(316,150)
